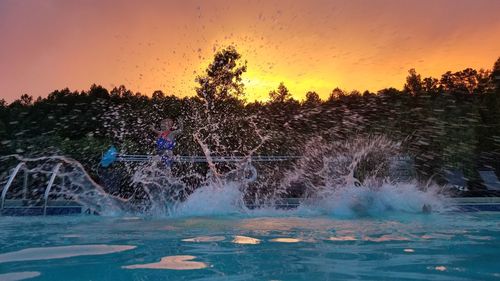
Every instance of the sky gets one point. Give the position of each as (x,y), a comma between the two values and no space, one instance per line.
(312,45)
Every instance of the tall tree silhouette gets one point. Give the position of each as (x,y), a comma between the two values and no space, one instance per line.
(430,85)
(222,80)
(281,94)
(121,92)
(336,94)
(495,75)
(460,82)
(413,83)
(98,92)
(312,99)
(26,100)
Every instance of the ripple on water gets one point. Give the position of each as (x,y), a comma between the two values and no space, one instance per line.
(171,262)
(71,236)
(440,268)
(385,238)
(342,238)
(48,253)
(15,276)
(245,240)
(286,240)
(201,239)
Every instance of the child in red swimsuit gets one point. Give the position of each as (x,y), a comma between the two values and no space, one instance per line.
(166,139)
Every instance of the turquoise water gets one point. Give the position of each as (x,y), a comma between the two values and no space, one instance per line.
(450,246)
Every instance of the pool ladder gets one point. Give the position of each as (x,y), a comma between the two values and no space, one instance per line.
(48,188)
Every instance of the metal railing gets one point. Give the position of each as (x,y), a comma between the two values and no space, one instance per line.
(15,172)
(49,187)
(9,183)
(201,159)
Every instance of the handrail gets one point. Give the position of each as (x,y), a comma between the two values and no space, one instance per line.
(25,184)
(49,187)
(9,183)
(200,159)
(228,158)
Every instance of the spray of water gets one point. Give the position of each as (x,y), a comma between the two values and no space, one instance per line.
(333,176)
(347,178)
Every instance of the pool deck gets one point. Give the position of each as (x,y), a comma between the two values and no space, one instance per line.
(476,204)
(30,208)
(461,204)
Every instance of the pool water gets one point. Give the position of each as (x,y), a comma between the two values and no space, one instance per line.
(446,246)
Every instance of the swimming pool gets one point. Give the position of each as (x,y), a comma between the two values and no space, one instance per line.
(279,246)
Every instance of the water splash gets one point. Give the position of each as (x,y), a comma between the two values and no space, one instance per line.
(335,174)
(326,166)
(213,200)
(375,202)
(357,178)
(345,179)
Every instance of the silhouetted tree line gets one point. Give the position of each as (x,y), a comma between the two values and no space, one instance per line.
(451,122)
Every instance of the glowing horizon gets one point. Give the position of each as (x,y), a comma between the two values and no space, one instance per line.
(309,45)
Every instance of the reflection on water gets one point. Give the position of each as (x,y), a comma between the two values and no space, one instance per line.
(286,240)
(342,238)
(204,239)
(171,262)
(248,248)
(170,227)
(386,238)
(284,223)
(71,236)
(440,268)
(15,276)
(130,218)
(480,238)
(60,252)
(245,240)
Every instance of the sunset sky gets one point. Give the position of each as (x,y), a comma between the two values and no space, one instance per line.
(309,45)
